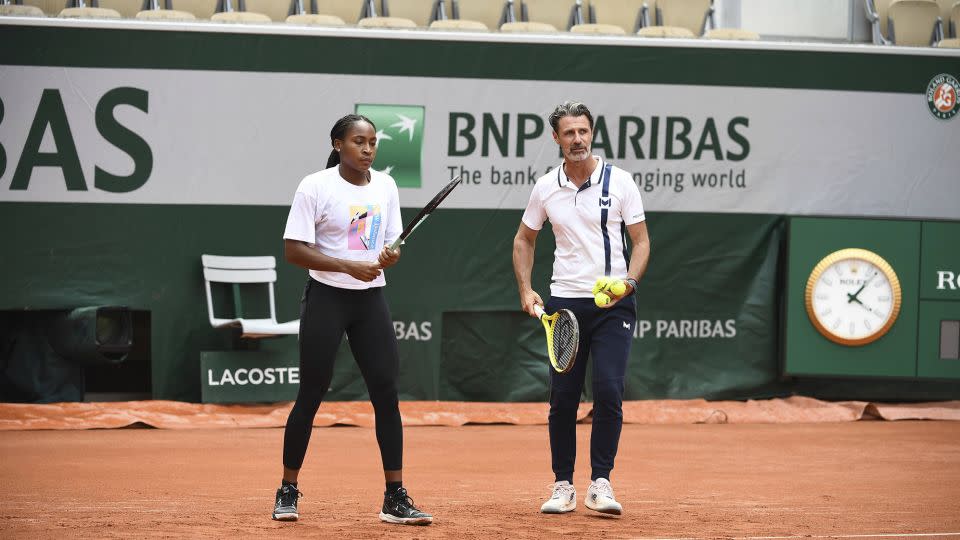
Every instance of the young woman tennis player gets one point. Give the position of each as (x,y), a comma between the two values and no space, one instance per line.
(339,224)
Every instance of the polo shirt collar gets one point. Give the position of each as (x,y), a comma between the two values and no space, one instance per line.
(563,181)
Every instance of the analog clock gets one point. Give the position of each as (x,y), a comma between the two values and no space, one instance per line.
(853,297)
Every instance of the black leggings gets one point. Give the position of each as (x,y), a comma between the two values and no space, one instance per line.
(325,314)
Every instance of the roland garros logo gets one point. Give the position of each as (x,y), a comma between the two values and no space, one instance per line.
(942,96)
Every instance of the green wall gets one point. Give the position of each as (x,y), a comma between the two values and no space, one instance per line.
(455,274)
(712,299)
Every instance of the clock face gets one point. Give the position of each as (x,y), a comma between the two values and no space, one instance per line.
(853,297)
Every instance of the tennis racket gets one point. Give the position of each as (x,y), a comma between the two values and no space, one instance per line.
(563,337)
(430,207)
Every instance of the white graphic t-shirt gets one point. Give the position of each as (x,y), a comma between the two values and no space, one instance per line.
(345,221)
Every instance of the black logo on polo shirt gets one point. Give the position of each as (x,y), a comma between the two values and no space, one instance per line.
(604,202)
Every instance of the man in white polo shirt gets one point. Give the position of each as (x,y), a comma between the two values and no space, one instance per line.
(593,207)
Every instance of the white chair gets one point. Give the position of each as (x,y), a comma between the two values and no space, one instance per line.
(237,270)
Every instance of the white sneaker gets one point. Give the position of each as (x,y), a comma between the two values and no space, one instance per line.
(600,498)
(563,500)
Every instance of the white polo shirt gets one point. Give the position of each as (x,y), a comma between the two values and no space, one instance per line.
(345,221)
(585,249)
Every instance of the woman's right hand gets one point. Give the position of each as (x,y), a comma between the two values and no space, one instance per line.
(363,270)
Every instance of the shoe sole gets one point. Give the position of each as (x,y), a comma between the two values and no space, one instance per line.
(552,511)
(608,511)
(286,517)
(405,521)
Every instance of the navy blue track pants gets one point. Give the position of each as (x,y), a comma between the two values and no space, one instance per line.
(605,337)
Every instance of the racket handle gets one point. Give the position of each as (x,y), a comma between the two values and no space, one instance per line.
(539,310)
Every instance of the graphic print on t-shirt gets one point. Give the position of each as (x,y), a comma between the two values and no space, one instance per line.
(364,227)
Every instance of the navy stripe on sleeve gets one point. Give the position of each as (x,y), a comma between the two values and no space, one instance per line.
(623,238)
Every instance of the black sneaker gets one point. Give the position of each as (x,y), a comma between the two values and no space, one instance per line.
(286,507)
(398,508)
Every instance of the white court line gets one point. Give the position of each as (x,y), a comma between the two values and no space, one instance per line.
(882,535)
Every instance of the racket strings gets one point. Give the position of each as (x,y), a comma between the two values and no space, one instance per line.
(565,338)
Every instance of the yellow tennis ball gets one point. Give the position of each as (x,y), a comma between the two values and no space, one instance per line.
(618,287)
(601,285)
(601,299)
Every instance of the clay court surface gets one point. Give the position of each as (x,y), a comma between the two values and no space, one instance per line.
(858,479)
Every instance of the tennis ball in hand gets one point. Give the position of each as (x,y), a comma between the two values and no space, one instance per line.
(601,299)
(618,287)
(601,285)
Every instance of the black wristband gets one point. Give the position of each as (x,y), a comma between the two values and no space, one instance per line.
(633,284)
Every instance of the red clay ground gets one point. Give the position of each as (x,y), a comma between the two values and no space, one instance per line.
(675,481)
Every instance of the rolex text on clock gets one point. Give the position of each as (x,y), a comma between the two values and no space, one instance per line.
(853,297)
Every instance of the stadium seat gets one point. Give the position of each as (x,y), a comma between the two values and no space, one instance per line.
(561,14)
(89,13)
(946,6)
(311,19)
(732,33)
(459,24)
(50,8)
(165,15)
(913,23)
(598,29)
(237,271)
(627,14)
(665,32)
(246,17)
(16,10)
(201,9)
(350,11)
(386,22)
(876,12)
(127,9)
(878,15)
(528,27)
(421,12)
(277,10)
(693,15)
(954,20)
(491,13)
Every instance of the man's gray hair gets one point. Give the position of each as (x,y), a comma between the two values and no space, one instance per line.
(569,108)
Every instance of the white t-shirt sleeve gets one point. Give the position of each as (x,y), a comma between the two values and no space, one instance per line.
(302,221)
(631,207)
(535,214)
(394,223)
